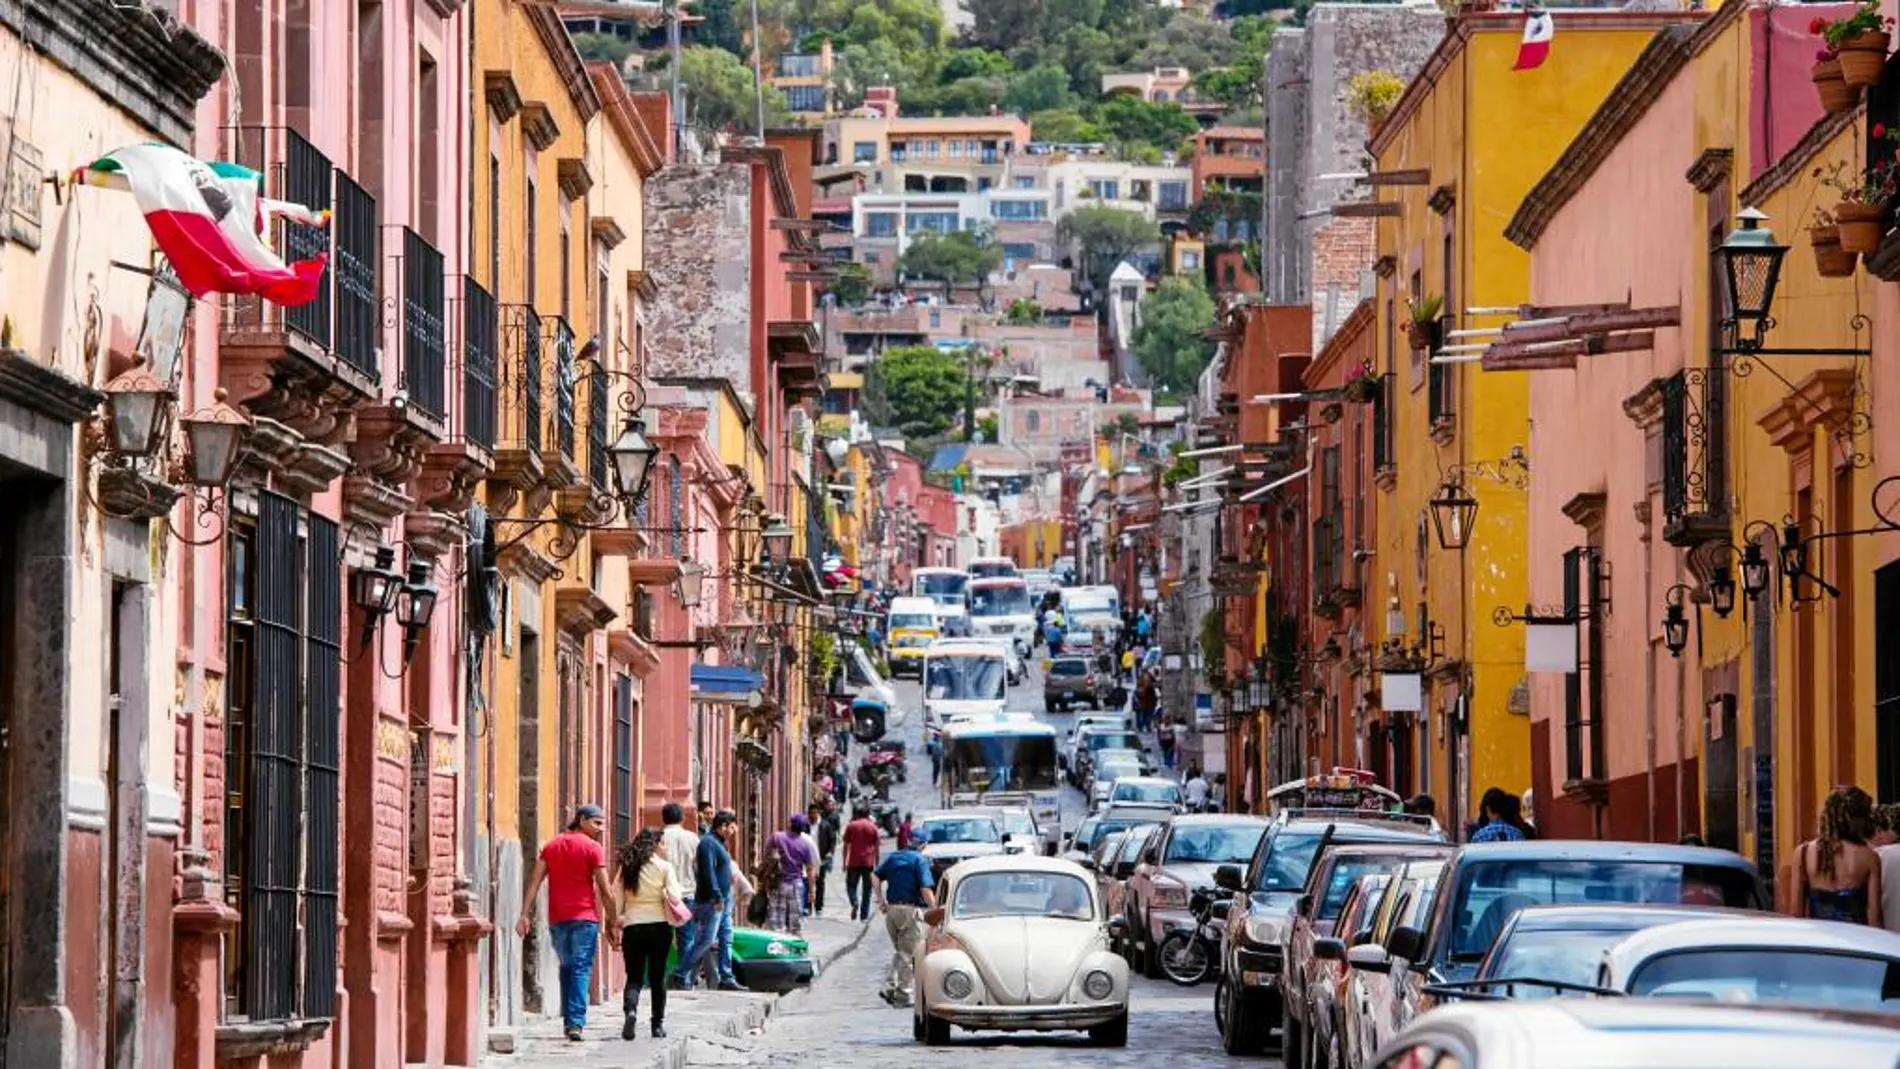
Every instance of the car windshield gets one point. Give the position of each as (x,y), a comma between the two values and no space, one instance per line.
(1168,793)
(1569,957)
(1288,862)
(1023,894)
(1113,740)
(921,621)
(1345,874)
(1087,834)
(1001,762)
(1068,666)
(1219,844)
(1489,892)
(944,588)
(1018,822)
(965,678)
(1114,770)
(1008,600)
(959,830)
(1808,977)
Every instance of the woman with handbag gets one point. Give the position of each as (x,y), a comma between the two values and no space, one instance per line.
(651,906)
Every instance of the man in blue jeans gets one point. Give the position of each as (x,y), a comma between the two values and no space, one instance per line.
(712,900)
(575,867)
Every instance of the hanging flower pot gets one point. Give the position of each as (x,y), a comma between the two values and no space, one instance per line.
(1834,92)
(1863,56)
(1861,225)
(1421,334)
(1830,260)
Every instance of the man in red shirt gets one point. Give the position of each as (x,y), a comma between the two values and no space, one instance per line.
(575,866)
(860,858)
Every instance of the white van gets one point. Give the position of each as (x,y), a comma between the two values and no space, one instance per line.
(1000,608)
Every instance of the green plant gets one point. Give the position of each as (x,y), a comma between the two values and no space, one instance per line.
(1425,309)
(1865,19)
(1022,311)
(1372,94)
(825,656)
(1875,184)
(1214,647)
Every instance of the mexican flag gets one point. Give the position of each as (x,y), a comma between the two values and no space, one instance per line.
(209,219)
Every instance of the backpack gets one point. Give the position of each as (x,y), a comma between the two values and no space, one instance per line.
(779,866)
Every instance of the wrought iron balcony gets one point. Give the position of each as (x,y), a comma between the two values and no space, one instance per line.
(1694,456)
(481,339)
(598,473)
(424,359)
(302,175)
(354,265)
(558,454)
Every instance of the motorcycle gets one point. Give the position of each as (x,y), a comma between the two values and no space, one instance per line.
(1190,953)
(884,754)
(887,814)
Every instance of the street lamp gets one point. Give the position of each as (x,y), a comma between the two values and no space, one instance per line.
(415,606)
(1793,551)
(214,442)
(777,539)
(1675,622)
(1751,266)
(376,588)
(135,408)
(633,456)
(691,583)
(1452,513)
(1722,590)
(1754,570)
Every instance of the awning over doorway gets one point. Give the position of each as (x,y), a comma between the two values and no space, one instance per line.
(726,683)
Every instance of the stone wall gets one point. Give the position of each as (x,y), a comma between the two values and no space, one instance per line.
(1285,91)
(699,248)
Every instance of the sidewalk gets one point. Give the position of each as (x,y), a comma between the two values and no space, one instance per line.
(694,1019)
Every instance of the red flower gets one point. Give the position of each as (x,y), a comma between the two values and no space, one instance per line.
(1880,129)
(1817,25)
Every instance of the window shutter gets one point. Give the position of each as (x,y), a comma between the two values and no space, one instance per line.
(323,744)
(270,899)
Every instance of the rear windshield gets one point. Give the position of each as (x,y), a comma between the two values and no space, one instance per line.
(1218,844)
(1345,874)
(1806,977)
(1111,740)
(1087,833)
(1489,892)
(1069,668)
(1146,792)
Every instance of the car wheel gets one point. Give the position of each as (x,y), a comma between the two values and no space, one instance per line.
(1292,1039)
(1220,1005)
(1112,1034)
(1245,1031)
(936,1031)
(917,1022)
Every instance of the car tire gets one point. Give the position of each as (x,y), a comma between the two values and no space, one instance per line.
(936,1031)
(917,1023)
(1220,1004)
(1112,1034)
(1150,957)
(1292,1042)
(1246,1031)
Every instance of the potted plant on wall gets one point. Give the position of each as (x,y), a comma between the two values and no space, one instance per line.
(1372,95)
(1423,332)
(1830,260)
(1859,41)
(1362,385)
(1835,93)
(1861,215)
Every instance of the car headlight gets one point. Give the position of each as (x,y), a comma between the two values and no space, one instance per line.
(777,949)
(958,984)
(1265,931)
(1170,894)
(1098,984)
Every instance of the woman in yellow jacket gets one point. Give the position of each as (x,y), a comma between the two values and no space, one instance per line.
(649,888)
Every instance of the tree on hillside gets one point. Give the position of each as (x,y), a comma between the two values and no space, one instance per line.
(962,257)
(858,67)
(916,388)
(1003,24)
(1168,343)
(1130,118)
(1044,87)
(1103,236)
(718,89)
(912,25)
(1186,40)
(1063,127)
(719,27)
(1238,84)
(595,47)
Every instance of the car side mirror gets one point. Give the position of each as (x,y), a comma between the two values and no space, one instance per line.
(1124,870)
(1006,838)
(933,916)
(1368,958)
(1227,877)
(1405,942)
(1329,950)
(1087,863)
(1117,925)
(1151,855)
(1303,905)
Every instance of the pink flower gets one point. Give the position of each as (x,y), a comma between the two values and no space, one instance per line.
(1880,129)
(1817,25)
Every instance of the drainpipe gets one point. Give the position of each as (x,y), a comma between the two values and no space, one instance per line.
(1649,664)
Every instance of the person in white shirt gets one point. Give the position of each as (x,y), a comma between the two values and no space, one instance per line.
(805,893)
(682,853)
(1196,788)
(1886,843)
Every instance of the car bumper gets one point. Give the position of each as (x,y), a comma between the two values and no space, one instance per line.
(1030,1018)
(775,975)
(1163,921)
(1258,967)
(1067,694)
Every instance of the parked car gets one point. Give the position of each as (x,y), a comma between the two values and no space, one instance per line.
(1369,1015)
(1110,766)
(1147,790)
(1069,681)
(1018,824)
(1079,845)
(1488,882)
(1334,873)
(1114,866)
(1326,994)
(1019,945)
(1640,1034)
(1560,948)
(1180,858)
(1086,721)
(955,835)
(1760,960)
(1087,742)
(1260,920)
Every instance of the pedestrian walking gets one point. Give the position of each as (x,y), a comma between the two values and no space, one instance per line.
(574,865)
(741,896)
(1196,789)
(712,897)
(904,833)
(861,842)
(1499,821)
(811,870)
(827,834)
(1837,875)
(788,862)
(934,747)
(1147,699)
(1423,805)
(1164,737)
(650,903)
(682,851)
(905,889)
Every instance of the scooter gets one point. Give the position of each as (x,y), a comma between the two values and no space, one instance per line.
(1190,953)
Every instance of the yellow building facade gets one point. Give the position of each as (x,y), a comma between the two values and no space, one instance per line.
(1464,144)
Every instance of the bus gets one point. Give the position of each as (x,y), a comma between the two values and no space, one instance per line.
(945,586)
(963,677)
(992,568)
(1004,759)
(1348,789)
(1000,609)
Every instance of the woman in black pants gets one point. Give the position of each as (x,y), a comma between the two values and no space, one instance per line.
(647,884)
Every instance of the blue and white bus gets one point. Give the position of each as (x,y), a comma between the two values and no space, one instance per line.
(1004,759)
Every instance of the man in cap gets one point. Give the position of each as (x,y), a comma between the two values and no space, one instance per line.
(579,897)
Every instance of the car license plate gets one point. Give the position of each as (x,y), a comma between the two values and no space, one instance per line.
(1067,694)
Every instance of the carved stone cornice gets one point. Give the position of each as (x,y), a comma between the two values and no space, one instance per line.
(314,467)
(619,542)
(1644,407)
(271,448)
(537,122)
(138,55)
(525,561)
(1710,168)
(391,442)
(1824,398)
(370,501)
(517,471)
(45,389)
(1586,509)
(571,173)
(504,97)
(633,651)
(581,504)
(433,534)
(607,231)
(558,469)
(445,8)
(578,610)
(451,472)
(134,495)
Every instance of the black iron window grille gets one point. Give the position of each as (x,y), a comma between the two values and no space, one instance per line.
(480,341)
(597,429)
(283,811)
(521,378)
(675,509)
(1887,679)
(623,802)
(424,359)
(1441,392)
(307,180)
(561,337)
(1583,689)
(1382,424)
(354,267)
(1694,486)
(1325,556)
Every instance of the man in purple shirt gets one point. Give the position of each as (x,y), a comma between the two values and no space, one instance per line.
(789,862)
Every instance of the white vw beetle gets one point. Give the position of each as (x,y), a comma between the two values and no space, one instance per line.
(1018,943)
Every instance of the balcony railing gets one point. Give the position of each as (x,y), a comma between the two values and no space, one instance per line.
(480,343)
(424,370)
(597,472)
(1441,391)
(1328,547)
(354,267)
(1694,483)
(521,378)
(561,345)
(303,175)
(1382,424)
